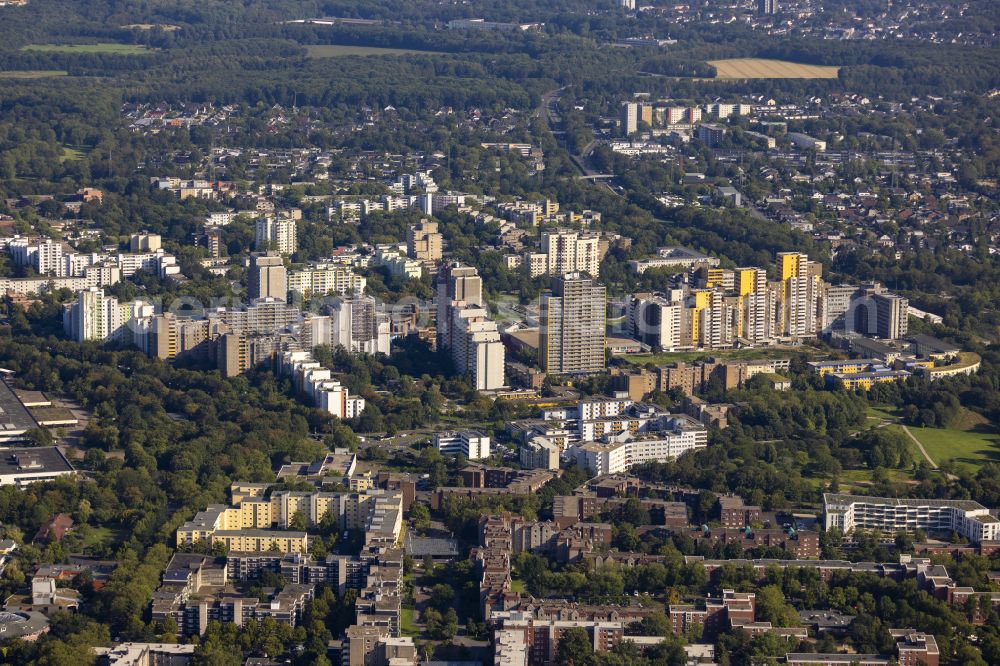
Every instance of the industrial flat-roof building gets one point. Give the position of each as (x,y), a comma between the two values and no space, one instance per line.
(19,467)
(15,419)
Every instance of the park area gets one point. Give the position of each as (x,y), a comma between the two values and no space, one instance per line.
(970,442)
(761,68)
(967,448)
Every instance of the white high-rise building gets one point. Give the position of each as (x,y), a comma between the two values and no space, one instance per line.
(50,259)
(94,316)
(799,292)
(715,325)
(570,251)
(476,347)
(316,331)
(276,233)
(317,384)
(676,114)
(464,327)
(353,323)
(835,302)
(97,316)
(322,279)
(756,316)
(573,333)
(630,112)
(358,326)
(797,306)
(266,277)
(455,283)
(44,255)
(656,320)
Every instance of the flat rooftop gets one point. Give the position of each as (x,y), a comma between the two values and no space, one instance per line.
(875,374)
(873,345)
(527,337)
(679,252)
(839,498)
(53,416)
(934,345)
(15,624)
(842,362)
(38,460)
(14,416)
(32,398)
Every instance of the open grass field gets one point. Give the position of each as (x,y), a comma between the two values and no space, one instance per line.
(971,442)
(408,622)
(33,74)
(760,68)
(108,48)
(343,51)
(970,448)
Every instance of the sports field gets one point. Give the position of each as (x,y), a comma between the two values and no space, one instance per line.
(33,74)
(760,68)
(341,51)
(108,48)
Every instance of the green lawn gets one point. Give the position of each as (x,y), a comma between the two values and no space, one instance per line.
(970,448)
(88,536)
(882,413)
(97,536)
(340,51)
(878,414)
(408,622)
(71,154)
(517,585)
(33,74)
(104,47)
(858,481)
